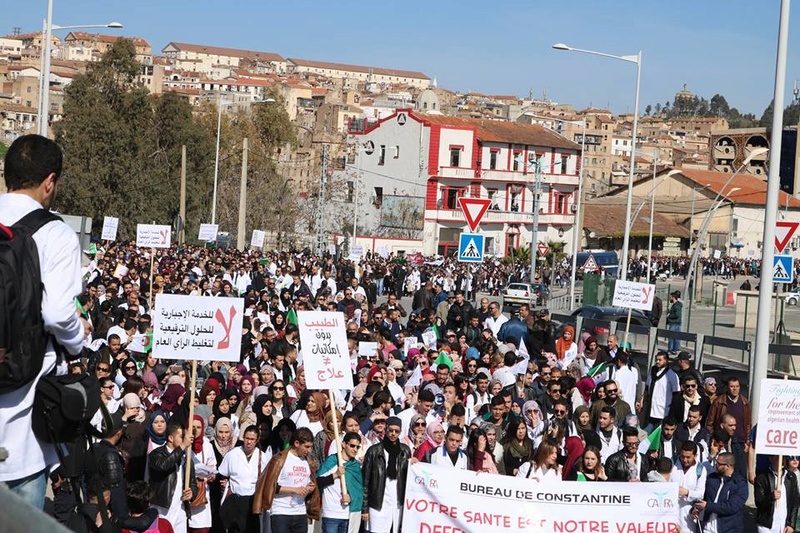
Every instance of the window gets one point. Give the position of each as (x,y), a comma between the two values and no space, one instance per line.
(451,196)
(493,160)
(350,192)
(564,161)
(382,155)
(455,156)
(516,160)
(492,194)
(397,152)
(378,197)
(560,203)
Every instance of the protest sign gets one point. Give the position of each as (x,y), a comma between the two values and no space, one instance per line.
(326,357)
(634,295)
(257,240)
(408,343)
(153,236)
(110,225)
(429,339)
(197,327)
(440,499)
(367,349)
(208,232)
(779,418)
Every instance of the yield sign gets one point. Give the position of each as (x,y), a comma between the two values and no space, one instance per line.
(543,249)
(474,209)
(784,231)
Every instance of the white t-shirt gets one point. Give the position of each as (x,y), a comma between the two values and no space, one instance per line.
(332,499)
(295,473)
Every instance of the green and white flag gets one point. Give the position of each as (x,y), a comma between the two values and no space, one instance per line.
(598,369)
(141,343)
(652,442)
(581,477)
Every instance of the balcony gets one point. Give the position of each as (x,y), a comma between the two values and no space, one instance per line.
(507,176)
(501,217)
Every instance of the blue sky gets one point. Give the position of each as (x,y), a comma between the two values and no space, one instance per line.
(500,47)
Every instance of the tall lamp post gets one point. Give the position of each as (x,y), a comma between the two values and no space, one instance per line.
(44,78)
(637,60)
(707,220)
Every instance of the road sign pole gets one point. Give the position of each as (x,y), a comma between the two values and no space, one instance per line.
(535,228)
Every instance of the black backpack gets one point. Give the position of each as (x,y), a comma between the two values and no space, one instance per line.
(23,341)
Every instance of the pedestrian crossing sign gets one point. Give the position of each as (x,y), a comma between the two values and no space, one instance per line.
(470,247)
(783,269)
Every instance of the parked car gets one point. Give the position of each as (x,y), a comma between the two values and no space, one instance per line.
(791,298)
(517,294)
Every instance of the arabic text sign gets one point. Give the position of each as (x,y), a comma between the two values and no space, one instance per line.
(779,418)
(153,236)
(257,239)
(197,327)
(110,225)
(440,499)
(326,357)
(208,232)
(635,295)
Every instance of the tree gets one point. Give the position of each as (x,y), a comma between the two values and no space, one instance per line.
(648,109)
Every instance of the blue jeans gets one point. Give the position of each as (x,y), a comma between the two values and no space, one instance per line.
(31,489)
(674,344)
(289,523)
(334,525)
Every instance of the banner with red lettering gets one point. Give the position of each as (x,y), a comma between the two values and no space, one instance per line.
(197,327)
(326,357)
(445,500)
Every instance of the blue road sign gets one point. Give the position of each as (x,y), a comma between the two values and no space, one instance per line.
(470,247)
(783,269)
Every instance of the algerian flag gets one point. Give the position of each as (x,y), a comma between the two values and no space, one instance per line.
(445,360)
(141,343)
(581,477)
(598,369)
(435,329)
(291,317)
(84,312)
(652,442)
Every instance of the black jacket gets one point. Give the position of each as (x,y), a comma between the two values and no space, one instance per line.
(105,463)
(164,468)
(765,504)
(373,472)
(678,409)
(617,467)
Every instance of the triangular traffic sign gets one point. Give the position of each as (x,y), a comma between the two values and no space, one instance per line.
(784,231)
(590,265)
(474,209)
(543,249)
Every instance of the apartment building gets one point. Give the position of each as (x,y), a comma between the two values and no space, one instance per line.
(83,46)
(206,59)
(377,76)
(415,167)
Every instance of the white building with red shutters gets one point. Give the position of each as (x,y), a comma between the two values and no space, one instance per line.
(415,166)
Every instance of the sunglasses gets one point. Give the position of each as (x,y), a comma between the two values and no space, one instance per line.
(354,446)
(278,388)
(690,386)
(130,367)
(103,369)
(393,430)
(107,387)
(611,391)
(560,412)
(420,424)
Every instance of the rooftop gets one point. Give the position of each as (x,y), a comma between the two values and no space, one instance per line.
(222,51)
(357,68)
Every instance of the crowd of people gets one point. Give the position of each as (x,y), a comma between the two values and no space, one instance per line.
(452,383)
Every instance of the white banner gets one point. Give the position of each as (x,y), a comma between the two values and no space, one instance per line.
(779,418)
(326,357)
(208,232)
(356,253)
(197,327)
(257,240)
(110,225)
(367,349)
(153,236)
(635,295)
(440,499)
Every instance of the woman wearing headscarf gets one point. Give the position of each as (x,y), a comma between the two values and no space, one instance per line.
(156,436)
(416,433)
(222,443)
(574,446)
(434,437)
(263,410)
(246,387)
(493,445)
(297,387)
(125,371)
(479,457)
(582,395)
(222,408)
(593,354)
(310,412)
(131,445)
(281,436)
(324,440)
(582,418)
(171,399)
(153,398)
(566,349)
(534,421)
(205,465)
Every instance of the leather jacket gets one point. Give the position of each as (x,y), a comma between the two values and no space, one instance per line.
(268,483)
(765,504)
(374,475)
(164,468)
(617,467)
(107,464)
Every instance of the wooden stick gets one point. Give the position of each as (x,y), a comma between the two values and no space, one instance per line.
(628,327)
(336,439)
(152,280)
(193,382)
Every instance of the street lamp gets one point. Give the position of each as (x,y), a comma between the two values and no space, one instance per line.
(637,60)
(44,79)
(755,152)
(691,217)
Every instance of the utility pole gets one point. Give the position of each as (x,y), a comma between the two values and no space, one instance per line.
(535,229)
(320,231)
(241,231)
(182,233)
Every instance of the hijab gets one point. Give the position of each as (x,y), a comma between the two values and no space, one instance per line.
(576,415)
(250,379)
(224,446)
(534,432)
(151,380)
(155,437)
(132,400)
(218,414)
(258,404)
(197,442)
(430,430)
(586,388)
(319,414)
(169,400)
(562,344)
(574,447)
